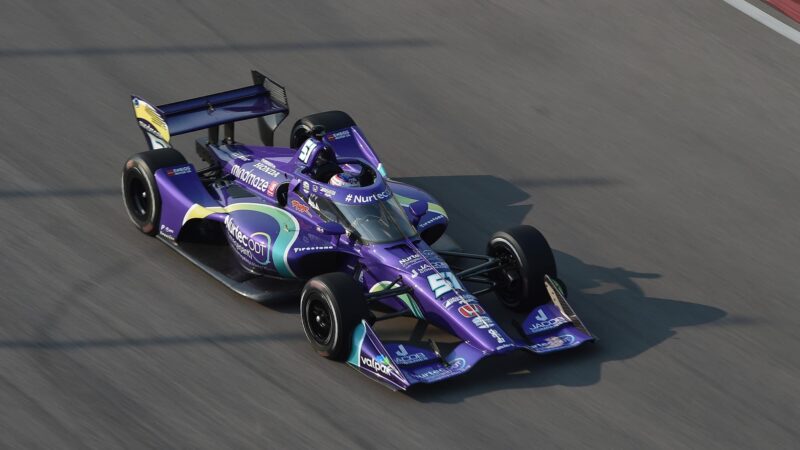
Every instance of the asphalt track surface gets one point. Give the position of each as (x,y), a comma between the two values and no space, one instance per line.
(653,142)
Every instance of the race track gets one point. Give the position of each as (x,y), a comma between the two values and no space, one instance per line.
(653,142)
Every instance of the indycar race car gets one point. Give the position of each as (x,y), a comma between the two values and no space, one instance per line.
(321,221)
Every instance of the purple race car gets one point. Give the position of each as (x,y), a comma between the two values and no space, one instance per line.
(321,220)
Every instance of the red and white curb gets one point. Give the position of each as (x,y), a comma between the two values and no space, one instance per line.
(767,20)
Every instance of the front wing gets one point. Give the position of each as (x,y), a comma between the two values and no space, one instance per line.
(549,328)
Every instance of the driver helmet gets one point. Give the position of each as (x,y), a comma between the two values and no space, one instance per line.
(345,179)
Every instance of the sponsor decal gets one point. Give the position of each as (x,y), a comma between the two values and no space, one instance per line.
(246,245)
(431,255)
(300,207)
(266,169)
(350,198)
(403,358)
(430,221)
(305,187)
(501,347)
(326,191)
(544,323)
(311,249)
(315,188)
(438,265)
(408,260)
(339,135)
(305,152)
(458,365)
(251,178)
(554,342)
(471,310)
(483,322)
(179,171)
(272,188)
(240,156)
(380,364)
(497,336)
(147,127)
(167,232)
(267,162)
(463,299)
(443,282)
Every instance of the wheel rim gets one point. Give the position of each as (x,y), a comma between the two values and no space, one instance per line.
(138,198)
(320,319)
(509,276)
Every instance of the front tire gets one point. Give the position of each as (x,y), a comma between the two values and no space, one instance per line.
(139,189)
(525,258)
(331,306)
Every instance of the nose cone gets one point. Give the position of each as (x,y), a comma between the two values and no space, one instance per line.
(441,296)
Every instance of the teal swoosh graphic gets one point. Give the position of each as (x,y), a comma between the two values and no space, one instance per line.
(358,339)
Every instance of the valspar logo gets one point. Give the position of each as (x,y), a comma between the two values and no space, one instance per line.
(256,250)
(379,364)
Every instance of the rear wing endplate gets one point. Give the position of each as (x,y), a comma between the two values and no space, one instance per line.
(265,100)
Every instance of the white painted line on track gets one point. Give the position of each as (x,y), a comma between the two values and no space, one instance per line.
(766,20)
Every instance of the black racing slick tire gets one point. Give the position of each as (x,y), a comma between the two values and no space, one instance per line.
(331,306)
(328,121)
(525,258)
(139,189)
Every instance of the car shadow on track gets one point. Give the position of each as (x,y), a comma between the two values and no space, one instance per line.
(608,299)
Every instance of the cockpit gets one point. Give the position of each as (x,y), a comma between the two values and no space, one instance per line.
(322,165)
(378,222)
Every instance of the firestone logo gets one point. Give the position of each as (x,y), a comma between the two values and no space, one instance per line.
(433,220)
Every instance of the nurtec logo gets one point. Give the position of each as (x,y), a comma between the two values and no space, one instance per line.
(246,245)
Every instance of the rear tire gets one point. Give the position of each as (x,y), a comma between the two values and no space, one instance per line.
(139,189)
(331,306)
(526,258)
(328,121)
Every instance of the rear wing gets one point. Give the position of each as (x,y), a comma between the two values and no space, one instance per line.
(265,100)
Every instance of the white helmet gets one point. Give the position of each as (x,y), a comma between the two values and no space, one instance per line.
(345,179)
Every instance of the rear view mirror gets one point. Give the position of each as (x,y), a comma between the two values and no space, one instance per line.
(418,208)
(332,228)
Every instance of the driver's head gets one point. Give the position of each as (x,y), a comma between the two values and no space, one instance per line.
(345,179)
